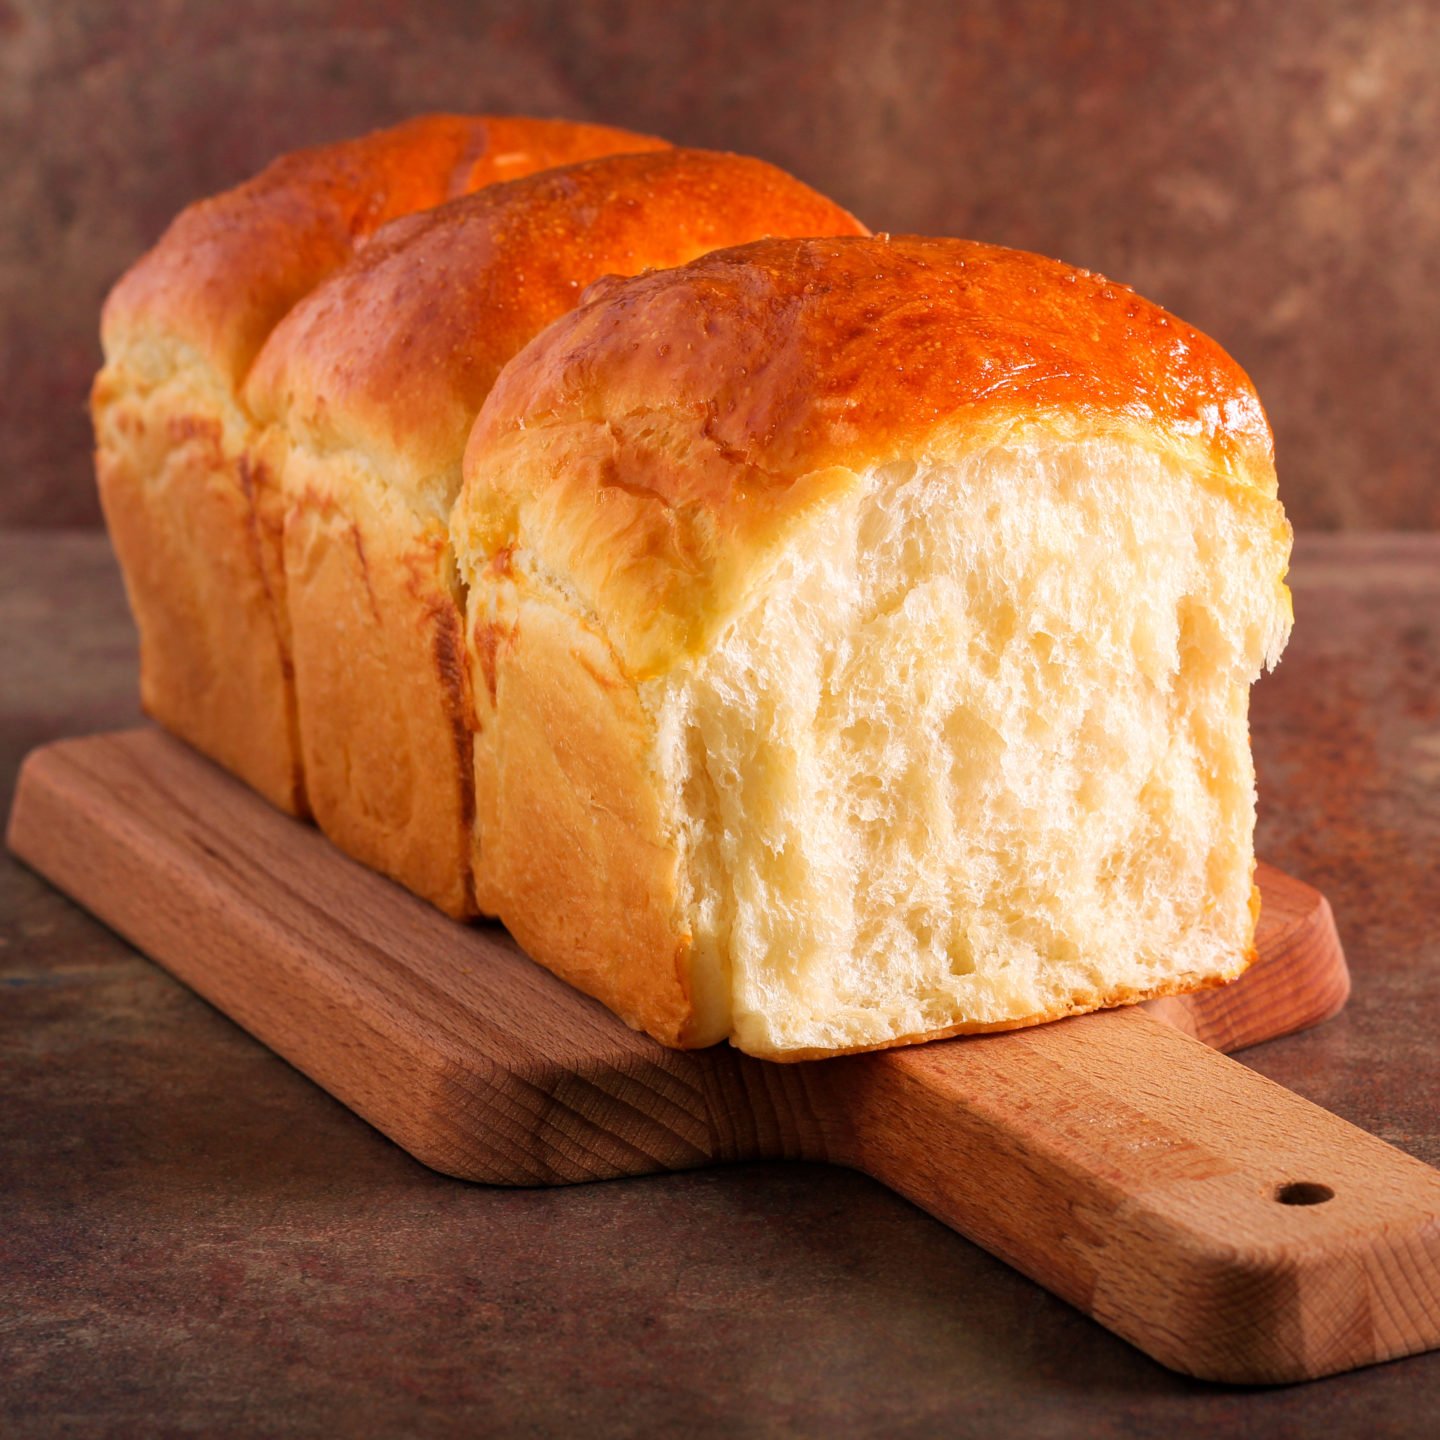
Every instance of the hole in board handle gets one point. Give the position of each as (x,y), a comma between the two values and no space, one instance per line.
(1303,1192)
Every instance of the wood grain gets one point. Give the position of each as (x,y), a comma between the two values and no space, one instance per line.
(1145,1179)
(1113,1158)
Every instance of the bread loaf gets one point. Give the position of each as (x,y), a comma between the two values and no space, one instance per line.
(835,642)
(862,633)
(368,389)
(194,518)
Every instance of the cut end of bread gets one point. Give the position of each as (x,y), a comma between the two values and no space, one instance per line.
(976,754)
(938,575)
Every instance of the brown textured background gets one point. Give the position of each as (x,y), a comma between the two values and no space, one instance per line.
(1271,171)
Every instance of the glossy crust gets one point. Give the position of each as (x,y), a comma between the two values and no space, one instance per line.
(778,370)
(396,352)
(636,467)
(229,269)
(370,387)
(194,512)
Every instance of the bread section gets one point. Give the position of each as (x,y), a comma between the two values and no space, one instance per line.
(367,392)
(195,515)
(871,625)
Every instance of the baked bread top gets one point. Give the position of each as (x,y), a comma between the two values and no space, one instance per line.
(657,444)
(392,356)
(228,268)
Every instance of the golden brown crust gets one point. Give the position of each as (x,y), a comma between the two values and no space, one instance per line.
(382,690)
(229,268)
(212,669)
(690,416)
(396,352)
(807,352)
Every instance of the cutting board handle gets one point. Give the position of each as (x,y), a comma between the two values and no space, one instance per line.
(1226,1226)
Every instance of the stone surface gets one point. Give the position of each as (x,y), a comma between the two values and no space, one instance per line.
(196,1240)
(1271,172)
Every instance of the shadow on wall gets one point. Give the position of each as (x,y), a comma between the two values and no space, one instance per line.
(1271,173)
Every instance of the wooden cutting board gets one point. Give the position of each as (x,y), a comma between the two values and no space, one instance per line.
(1224,1225)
